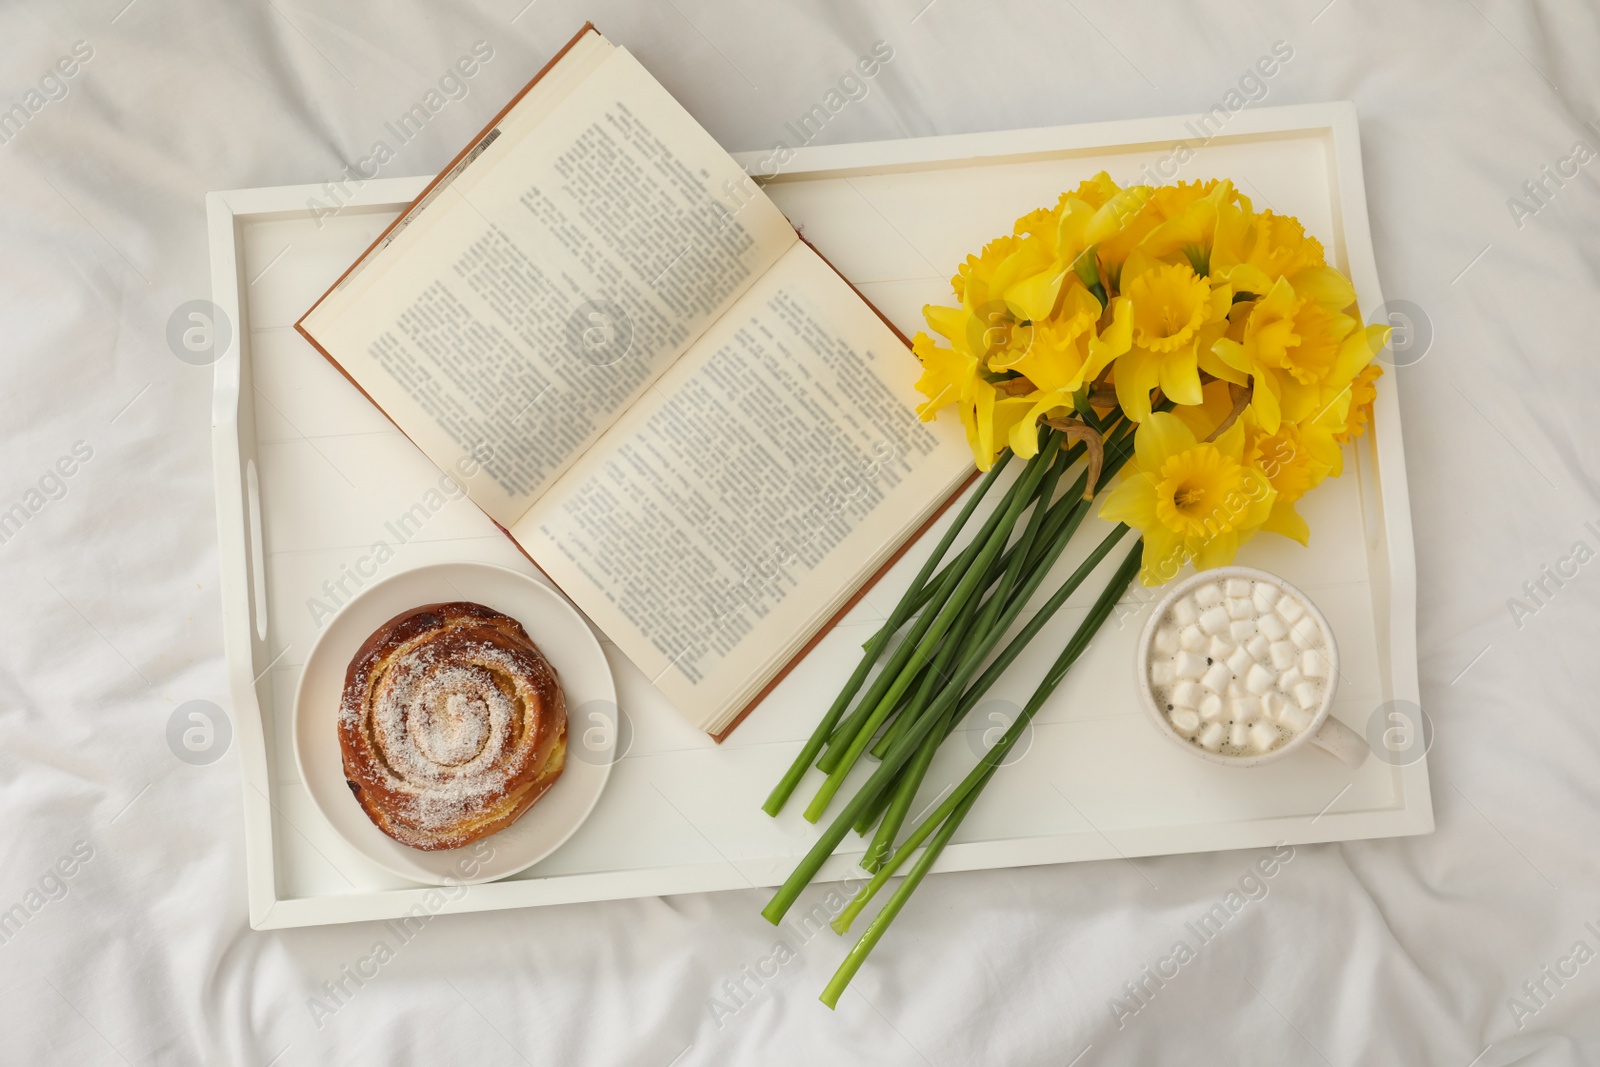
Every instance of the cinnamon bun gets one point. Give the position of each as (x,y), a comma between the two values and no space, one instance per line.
(452,725)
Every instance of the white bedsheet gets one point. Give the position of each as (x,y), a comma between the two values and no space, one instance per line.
(1388,952)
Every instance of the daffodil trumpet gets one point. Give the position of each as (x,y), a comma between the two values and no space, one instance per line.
(1201,367)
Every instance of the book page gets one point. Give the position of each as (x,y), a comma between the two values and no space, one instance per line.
(544,289)
(740,503)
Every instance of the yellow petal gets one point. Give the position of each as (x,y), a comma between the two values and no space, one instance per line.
(1133,502)
(1179,379)
(950,322)
(946,375)
(1230,442)
(1138,372)
(1034,297)
(1248,278)
(1217,551)
(1159,436)
(1163,557)
(1114,340)
(1116,213)
(1014,422)
(1326,286)
(978,416)
(1070,238)
(1232,353)
(1357,350)
(1203,418)
(1286,521)
(1209,362)
(1023,435)
(1264,399)
(1260,497)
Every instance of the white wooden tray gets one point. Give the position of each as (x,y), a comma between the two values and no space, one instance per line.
(309,477)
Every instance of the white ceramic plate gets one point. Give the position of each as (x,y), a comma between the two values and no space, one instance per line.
(561,634)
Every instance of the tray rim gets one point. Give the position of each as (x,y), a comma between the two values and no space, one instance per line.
(242,559)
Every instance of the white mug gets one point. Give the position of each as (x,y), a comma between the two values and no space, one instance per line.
(1325,732)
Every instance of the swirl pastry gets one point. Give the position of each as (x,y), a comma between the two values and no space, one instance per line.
(451,726)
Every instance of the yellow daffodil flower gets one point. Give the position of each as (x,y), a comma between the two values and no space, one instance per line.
(1251,251)
(1066,355)
(1175,311)
(947,375)
(1190,500)
(1297,347)
(1187,214)
(1363,391)
(993,421)
(1294,460)
(951,376)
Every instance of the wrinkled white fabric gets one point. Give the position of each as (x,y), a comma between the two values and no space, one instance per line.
(1382,952)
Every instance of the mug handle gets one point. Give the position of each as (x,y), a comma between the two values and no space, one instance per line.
(1337,739)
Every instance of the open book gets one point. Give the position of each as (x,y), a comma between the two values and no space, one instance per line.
(674,406)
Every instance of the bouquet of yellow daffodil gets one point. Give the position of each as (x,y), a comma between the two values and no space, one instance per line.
(1203,351)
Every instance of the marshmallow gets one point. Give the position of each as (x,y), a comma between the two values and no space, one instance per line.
(1271,705)
(1241,609)
(1289,679)
(1211,737)
(1163,673)
(1236,735)
(1294,718)
(1275,628)
(1191,638)
(1211,707)
(1184,613)
(1190,665)
(1186,695)
(1208,595)
(1259,647)
(1216,677)
(1263,737)
(1242,629)
(1186,722)
(1307,695)
(1263,598)
(1242,709)
(1306,632)
(1282,655)
(1313,663)
(1240,661)
(1237,587)
(1259,680)
(1166,640)
(1235,687)
(1214,619)
(1219,648)
(1290,609)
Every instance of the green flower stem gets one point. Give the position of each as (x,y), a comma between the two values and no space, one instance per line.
(869,939)
(941,587)
(1039,531)
(936,671)
(1066,515)
(875,645)
(973,785)
(887,869)
(975,692)
(941,624)
(902,752)
(845,734)
(926,594)
(899,799)
(970,698)
(906,789)
(992,674)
